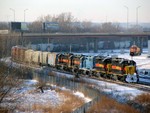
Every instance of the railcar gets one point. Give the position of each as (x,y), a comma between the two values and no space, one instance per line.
(43,59)
(102,66)
(87,65)
(135,50)
(124,69)
(75,63)
(36,57)
(28,56)
(18,53)
(63,61)
(13,53)
(22,54)
(52,59)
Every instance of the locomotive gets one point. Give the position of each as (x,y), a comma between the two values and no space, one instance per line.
(97,66)
(135,50)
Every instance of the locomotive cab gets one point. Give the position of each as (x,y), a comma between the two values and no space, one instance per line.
(63,61)
(124,69)
(135,50)
(76,63)
(102,64)
(87,64)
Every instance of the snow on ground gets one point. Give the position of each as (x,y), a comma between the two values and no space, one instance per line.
(121,93)
(81,95)
(28,96)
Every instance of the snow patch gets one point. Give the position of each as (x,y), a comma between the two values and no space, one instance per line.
(81,95)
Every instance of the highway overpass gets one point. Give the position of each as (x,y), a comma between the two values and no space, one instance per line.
(85,39)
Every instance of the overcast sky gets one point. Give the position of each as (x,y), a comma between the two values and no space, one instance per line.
(91,10)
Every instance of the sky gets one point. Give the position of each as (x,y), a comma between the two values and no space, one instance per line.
(83,10)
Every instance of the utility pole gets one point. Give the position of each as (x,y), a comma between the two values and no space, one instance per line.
(137,16)
(127,17)
(13,12)
(25,14)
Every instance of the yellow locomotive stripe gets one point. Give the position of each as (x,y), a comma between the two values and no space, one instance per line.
(99,65)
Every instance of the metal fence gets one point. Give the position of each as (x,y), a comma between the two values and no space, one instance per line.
(69,84)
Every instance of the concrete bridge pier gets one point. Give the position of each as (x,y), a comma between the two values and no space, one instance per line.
(148,45)
(95,45)
(87,46)
(139,42)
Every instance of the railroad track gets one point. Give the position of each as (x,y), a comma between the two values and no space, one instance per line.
(143,87)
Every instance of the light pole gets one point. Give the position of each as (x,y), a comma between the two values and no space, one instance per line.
(25,14)
(13,12)
(127,16)
(137,16)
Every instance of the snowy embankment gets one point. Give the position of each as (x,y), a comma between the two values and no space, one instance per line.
(30,99)
(118,92)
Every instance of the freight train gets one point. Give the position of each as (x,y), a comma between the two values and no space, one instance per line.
(97,66)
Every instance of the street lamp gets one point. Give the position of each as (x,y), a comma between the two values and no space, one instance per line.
(127,15)
(137,15)
(13,12)
(25,14)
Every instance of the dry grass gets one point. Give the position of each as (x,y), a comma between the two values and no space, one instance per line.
(3,110)
(70,103)
(107,105)
(143,101)
(52,73)
(143,98)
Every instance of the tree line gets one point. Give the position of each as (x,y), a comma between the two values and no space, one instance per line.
(69,24)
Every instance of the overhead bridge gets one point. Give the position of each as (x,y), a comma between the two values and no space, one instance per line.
(89,40)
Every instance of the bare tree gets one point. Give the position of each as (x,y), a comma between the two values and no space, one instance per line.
(4,25)
(110,28)
(65,21)
(10,79)
(35,26)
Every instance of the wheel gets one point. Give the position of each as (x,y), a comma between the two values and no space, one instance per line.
(98,74)
(115,77)
(122,78)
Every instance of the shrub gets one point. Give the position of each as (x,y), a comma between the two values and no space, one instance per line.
(143,102)
(107,105)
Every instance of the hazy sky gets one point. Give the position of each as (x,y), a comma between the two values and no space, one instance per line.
(91,10)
